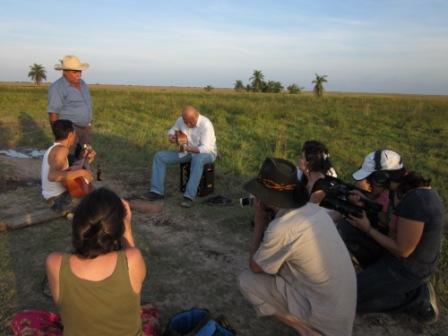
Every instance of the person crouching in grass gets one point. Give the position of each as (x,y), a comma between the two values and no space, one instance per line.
(300,270)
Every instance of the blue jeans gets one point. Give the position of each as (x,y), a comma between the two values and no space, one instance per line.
(164,158)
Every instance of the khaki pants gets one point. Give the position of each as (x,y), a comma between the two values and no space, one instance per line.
(261,291)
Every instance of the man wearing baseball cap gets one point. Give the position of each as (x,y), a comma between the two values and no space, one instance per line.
(69,98)
(300,271)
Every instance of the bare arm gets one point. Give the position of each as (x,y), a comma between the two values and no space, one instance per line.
(408,236)
(53,265)
(58,172)
(261,221)
(128,237)
(136,263)
(53,117)
(137,268)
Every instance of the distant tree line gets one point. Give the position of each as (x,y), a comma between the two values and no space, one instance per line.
(257,83)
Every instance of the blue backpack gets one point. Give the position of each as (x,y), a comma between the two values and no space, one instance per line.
(197,322)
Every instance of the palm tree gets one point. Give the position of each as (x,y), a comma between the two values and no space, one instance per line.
(273,86)
(257,81)
(294,89)
(37,73)
(239,86)
(318,85)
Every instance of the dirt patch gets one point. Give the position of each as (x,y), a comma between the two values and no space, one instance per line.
(193,256)
(20,169)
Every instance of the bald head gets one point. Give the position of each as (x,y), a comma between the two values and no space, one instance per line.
(190,116)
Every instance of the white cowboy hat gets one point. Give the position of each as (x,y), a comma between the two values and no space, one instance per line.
(71,62)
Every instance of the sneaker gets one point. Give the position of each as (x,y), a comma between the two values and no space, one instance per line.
(152,196)
(186,203)
(429,311)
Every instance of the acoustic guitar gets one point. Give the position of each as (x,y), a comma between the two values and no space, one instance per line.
(79,187)
(181,141)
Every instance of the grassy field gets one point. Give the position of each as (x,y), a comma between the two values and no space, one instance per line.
(130,124)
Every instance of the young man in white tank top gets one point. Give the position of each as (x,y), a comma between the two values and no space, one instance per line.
(55,167)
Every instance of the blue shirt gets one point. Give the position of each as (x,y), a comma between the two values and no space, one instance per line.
(69,102)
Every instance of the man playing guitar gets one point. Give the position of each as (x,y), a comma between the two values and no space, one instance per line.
(194,135)
(56,173)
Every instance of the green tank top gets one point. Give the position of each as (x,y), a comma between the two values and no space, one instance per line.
(106,307)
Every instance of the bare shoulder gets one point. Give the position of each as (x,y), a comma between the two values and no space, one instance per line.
(54,261)
(58,152)
(133,253)
(135,259)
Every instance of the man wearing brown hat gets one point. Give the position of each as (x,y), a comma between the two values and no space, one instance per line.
(69,98)
(300,271)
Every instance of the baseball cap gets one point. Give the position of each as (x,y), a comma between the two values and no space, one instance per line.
(387,160)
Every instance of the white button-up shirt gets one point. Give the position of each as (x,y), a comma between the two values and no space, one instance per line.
(201,136)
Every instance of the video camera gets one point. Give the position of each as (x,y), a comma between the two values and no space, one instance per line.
(337,198)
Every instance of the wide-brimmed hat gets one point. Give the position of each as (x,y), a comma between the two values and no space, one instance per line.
(380,160)
(276,184)
(71,62)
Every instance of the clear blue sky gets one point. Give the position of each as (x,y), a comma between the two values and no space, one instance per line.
(371,46)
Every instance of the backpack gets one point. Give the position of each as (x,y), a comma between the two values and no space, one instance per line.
(198,322)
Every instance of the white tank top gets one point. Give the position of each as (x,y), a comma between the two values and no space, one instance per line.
(50,189)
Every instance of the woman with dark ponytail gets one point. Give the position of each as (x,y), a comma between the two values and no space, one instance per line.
(314,168)
(399,279)
(97,287)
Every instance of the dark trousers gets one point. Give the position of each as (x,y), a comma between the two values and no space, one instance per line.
(83,137)
(384,284)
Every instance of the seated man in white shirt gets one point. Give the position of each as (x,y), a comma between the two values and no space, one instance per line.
(200,150)
(299,269)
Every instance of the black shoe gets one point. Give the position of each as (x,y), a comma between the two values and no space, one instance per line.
(428,312)
(152,196)
(186,203)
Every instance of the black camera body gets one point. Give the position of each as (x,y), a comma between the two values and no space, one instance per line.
(336,198)
(247,201)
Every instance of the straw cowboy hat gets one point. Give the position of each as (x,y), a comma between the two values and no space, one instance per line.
(71,62)
(277,185)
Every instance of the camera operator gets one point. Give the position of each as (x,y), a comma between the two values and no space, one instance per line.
(380,172)
(399,279)
(300,270)
(315,167)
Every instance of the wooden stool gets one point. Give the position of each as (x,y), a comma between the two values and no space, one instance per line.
(207,183)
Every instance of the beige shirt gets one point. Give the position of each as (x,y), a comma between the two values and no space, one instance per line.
(313,268)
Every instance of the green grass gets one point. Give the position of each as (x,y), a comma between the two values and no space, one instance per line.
(130,125)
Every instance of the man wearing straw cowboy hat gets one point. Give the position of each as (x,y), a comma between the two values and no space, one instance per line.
(69,98)
(300,270)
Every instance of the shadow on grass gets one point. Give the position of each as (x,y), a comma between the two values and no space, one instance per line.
(6,135)
(32,132)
